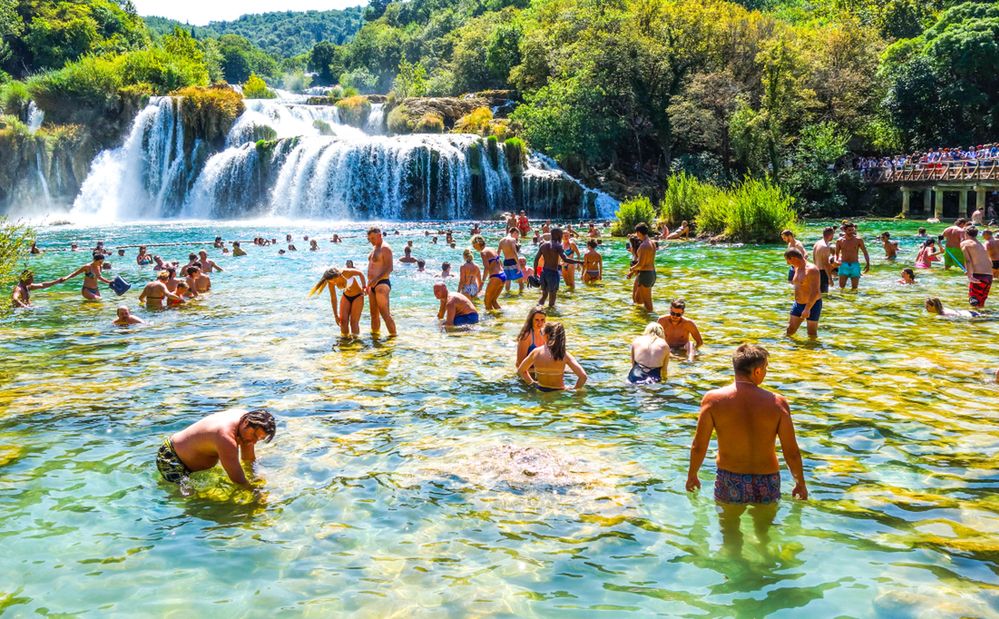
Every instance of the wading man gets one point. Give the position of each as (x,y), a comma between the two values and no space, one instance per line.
(380,265)
(645,267)
(807,294)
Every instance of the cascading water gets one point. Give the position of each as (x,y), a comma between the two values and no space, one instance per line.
(36,116)
(376,120)
(43,183)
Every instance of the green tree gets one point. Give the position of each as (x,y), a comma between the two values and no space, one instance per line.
(15,241)
(411,81)
(321,60)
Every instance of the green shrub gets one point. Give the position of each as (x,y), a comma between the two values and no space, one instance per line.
(683,199)
(14,98)
(256,88)
(92,82)
(354,110)
(398,120)
(161,69)
(476,121)
(323,127)
(516,156)
(210,112)
(760,211)
(712,218)
(430,122)
(631,213)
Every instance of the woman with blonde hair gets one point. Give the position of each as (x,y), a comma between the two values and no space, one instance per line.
(649,356)
(532,333)
(469,276)
(348,312)
(549,362)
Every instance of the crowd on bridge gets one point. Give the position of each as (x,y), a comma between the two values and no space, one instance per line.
(937,158)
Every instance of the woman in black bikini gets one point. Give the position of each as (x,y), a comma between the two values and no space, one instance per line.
(492,271)
(532,334)
(352,282)
(91,275)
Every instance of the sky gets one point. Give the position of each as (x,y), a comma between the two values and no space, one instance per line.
(200,12)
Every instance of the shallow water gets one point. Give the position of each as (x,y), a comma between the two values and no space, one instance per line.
(386,488)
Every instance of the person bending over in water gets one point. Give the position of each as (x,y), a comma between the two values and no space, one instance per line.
(979,268)
(678,331)
(125,318)
(644,267)
(380,267)
(593,263)
(549,362)
(469,276)
(348,312)
(748,421)
(492,270)
(908,277)
(91,275)
(456,309)
(649,356)
(935,306)
(225,437)
(21,296)
(550,252)
(532,334)
(156,291)
(807,294)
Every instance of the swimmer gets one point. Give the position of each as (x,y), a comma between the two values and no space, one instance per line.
(142,258)
(346,313)
(121,253)
(532,334)
(847,255)
(407,255)
(979,268)
(218,243)
(992,247)
(227,437)
(649,356)
(491,270)
(928,254)
(156,291)
(421,266)
(822,257)
(456,309)
(380,267)
(678,331)
(549,362)
(792,243)
(34,251)
(934,305)
(921,233)
(74,247)
(593,263)
(550,255)
(644,268)
(91,275)
(469,276)
(953,237)
(21,295)
(125,318)
(807,296)
(908,277)
(446,270)
(207,264)
(291,247)
(891,247)
(748,420)
(237,251)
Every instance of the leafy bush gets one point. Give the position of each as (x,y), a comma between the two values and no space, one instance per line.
(15,241)
(256,88)
(210,112)
(631,213)
(296,81)
(476,121)
(712,218)
(14,98)
(360,79)
(683,199)
(430,122)
(756,211)
(354,110)
(516,155)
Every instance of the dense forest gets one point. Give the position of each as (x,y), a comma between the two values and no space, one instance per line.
(624,93)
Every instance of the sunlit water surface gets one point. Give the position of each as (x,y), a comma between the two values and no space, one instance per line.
(386,490)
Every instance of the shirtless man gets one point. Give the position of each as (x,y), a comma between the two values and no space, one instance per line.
(593,263)
(821,254)
(156,291)
(992,246)
(91,275)
(979,268)
(380,267)
(228,437)
(21,296)
(792,243)
(847,250)
(953,236)
(125,318)
(645,268)
(678,331)
(508,252)
(208,266)
(977,218)
(201,282)
(891,247)
(551,253)
(456,310)
(807,294)
(748,421)
(469,276)
(407,256)
(237,250)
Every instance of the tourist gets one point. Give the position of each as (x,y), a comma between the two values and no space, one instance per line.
(456,309)
(822,257)
(792,243)
(172,282)
(346,313)
(237,251)
(550,255)
(142,258)
(934,305)
(649,356)
(570,249)
(593,263)
(748,421)
(977,217)
(680,333)
(202,283)
(380,267)
(125,318)
(890,246)
(91,275)
(208,265)
(644,267)
(908,277)
(921,234)
(549,362)
(492,270)
(532,334)
(182,292)
(313,245)
(992,246)
(21,295)
(34,251)
(508,251)
(469,276)
(218,243)
(156,291)
(928,254)
(953,237)
(523,224)
(291,247)
(807,296)
(407,256)
(526,270)
(420,266)
(121,253)
(74,247)
(848,249)
(683,232)
(979,268)
(227,437)
(446,270)
(192,274)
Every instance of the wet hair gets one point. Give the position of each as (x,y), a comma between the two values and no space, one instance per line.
(478,240)
(182,284)
(656,329)
(98,256)
(921,231)
(162,275)
(445,266)
(971,231)
(886,235)
(407,250)
(910,273)
(935,304)
(529,323)
(512,230)
(592,244)
(260,419)
(679,303)
(235,243)
(555,335)
(748,357)
(421,263)
(191,270)
(192,257)
(142,248)
(929,242)
(328,276)
(374,230)
(467,255)
(642,228)
(793,253)
(962,220)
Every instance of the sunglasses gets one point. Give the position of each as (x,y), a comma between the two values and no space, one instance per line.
(675,314)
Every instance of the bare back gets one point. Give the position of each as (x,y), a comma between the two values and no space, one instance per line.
(746,419)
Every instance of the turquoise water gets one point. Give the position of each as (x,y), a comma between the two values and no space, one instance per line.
(388,490)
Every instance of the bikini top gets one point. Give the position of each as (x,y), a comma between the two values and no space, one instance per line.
(354,279)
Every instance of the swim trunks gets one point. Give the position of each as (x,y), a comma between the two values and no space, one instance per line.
(978,293)
(813,316)
(386,282)
(850,269)
(746,488)
(470,290)
(171,467)
(646,278)
(466,319)
(511,269)
(643,375)
(953,257)
(823,281)
(546,389)
(92,291)
(549,279)
(350,297)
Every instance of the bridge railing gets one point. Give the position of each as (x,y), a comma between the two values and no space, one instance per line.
(958,171)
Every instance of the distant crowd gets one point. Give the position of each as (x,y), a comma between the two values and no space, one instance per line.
(938,157)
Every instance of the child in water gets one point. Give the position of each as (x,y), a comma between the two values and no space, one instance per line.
(908,277)
(935,306)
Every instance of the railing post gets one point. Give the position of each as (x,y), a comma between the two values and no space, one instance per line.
(938,197)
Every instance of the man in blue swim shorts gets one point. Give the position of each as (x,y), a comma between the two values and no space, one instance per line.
(807,294)
(456,309)
(848,250)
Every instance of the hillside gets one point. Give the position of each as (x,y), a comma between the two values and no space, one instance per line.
(281,34)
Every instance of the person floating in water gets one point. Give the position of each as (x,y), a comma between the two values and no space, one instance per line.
(125,318)
(978,268)
(227,437)
(91,275)
(680,333)
(469,276)
(380,267)
(848,251)
(649,356)
(21,296)
(644,268)
(934,305)
(347,313)
(908,277)
(456,309)
(748,421)
(807,294)
(549,362)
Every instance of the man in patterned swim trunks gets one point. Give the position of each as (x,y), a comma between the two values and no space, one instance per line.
(748,421)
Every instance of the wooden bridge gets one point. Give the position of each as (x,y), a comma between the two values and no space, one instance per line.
(934,180)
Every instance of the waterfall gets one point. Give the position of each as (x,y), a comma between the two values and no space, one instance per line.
(42,181)
(36,116)
(376,120)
